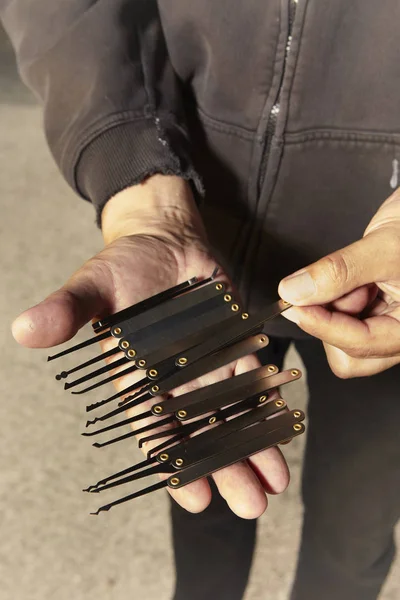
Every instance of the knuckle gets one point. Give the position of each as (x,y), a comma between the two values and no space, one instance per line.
(358,351)
(338,269)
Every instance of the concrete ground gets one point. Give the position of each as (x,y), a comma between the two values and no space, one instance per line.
(50,548)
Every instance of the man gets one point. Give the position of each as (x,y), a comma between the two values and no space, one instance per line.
(263,135)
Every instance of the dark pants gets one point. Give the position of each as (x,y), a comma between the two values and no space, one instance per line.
(351,495)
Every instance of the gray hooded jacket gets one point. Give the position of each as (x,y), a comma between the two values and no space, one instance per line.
(285,113)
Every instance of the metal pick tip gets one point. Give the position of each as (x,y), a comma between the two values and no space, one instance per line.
(93,406)
(91,422)
(97,445)
(101,509)
(124,401)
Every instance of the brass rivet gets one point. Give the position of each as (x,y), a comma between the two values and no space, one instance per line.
(294,372)
(142,362)
(297,414)
(218,287)
(124,344)
(285,302)
(262,399)
(245,315)
(153,372)
(212,420)
(131,353)
(279,403)
(235,307)
(182,360)
(117,330)
(263,339)
(271,368)
(182,413)
(227,297)
(179,462)
(174,480)
(157,409)
(297,427)
(164,456)
(155,388)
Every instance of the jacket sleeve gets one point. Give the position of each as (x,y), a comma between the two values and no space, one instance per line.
(112,108)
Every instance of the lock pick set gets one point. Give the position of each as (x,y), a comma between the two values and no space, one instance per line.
(171,339)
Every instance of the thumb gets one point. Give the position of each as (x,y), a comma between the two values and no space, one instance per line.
(374,258)
(57,318)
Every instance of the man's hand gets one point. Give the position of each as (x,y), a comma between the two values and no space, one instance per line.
(351,298)
(154,239)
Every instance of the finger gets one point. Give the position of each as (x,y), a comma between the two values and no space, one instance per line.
(242,490)
(243,486)
(271,469)
(56,319)
(345,270)
(357,301)
(269,465)
(374,337)
(194,497)
(346,367)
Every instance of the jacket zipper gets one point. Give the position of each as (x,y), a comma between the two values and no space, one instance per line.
(245,252)
(274,113)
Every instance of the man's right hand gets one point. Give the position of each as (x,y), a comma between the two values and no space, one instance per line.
(154,240)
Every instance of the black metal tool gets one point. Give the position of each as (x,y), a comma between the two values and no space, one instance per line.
(102,327)
(182,326)
(213,402)
(168,309)
(248,326)
(231,391)
(226,391)
(231,434)
(205,365)
(161,343)
(239,447)
(167,294)
(178,347)
(191,408)
(89,342)
(88,363)
(212,441)
(182,431)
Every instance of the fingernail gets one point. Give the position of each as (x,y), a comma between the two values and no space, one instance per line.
(22,326)
(297,287)
(291,315)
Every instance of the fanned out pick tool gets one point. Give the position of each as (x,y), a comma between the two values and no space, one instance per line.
(171,339)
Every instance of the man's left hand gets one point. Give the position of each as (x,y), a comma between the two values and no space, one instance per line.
(351,299)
